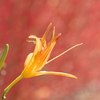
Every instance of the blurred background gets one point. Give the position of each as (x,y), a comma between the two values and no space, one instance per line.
(78,21)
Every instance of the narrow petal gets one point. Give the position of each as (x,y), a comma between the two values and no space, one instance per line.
(43,40)
(51,73)
(32,59)
(53,32)
(57,73)
(46,53)
(28,59)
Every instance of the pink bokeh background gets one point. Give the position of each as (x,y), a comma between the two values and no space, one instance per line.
(78,21)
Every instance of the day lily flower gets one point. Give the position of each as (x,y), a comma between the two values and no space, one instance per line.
(36,60)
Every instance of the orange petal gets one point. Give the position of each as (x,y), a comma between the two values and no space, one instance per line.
(38,46)
(46,53)
(53,33)
(45,34)
(28,59)
(51,73)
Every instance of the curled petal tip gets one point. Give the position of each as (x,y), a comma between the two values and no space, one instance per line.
(31,41)
(32,36)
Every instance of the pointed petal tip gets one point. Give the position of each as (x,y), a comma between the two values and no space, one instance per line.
(75,77)
(54,28)
(70,75)
(58,36)
(50,24)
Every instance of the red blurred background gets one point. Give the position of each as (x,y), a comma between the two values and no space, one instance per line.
(78,21)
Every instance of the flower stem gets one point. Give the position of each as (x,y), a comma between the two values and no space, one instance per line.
(10,86)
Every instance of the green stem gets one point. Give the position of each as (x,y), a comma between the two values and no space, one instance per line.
(10,86)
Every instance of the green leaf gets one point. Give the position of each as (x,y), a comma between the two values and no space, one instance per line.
(3,55)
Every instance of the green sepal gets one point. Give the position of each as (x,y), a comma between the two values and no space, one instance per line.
(4,55)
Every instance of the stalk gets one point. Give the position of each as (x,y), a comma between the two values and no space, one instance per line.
(10,86)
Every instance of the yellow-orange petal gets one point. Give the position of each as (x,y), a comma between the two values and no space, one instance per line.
(53,34)
(51,73)
(28,59)
(46,53)
(38,46)
(45,34)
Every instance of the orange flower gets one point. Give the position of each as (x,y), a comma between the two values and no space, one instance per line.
(39,58)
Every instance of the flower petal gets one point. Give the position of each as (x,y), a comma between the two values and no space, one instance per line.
(28,59)
(53,33)
(43,39)
(50,73)
(38,46)
(57,73)
(46,53)
(32,59)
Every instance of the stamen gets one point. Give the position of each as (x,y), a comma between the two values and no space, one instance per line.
(64,52)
